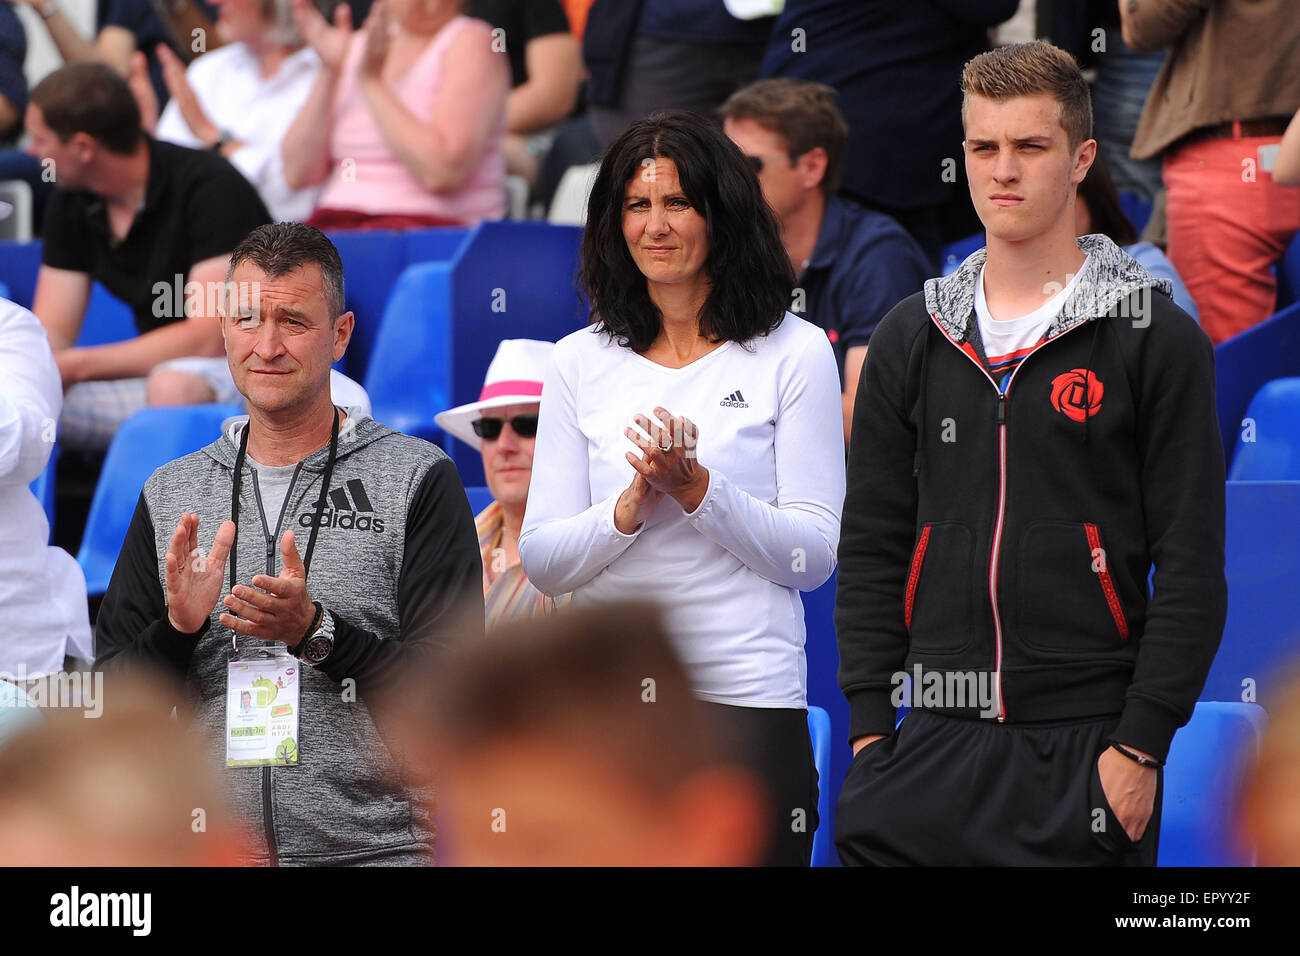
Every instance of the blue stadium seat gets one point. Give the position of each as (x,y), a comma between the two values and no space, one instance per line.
(1268,446)
(1205,762)
(479,497)
(43,486)
(434,245)
(409,370)
(1136,208)
(511,280)
(445,319)
(824,692)
(147,440)
(819,726)
(108,319)
(19,263)
(372,261)
(4,291)
(1288,276)
(955,253)
(1246,362)
(1262,633)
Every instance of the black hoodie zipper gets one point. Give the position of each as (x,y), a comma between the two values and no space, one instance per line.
(995,551)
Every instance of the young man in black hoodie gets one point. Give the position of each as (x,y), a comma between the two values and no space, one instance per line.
(1031,435)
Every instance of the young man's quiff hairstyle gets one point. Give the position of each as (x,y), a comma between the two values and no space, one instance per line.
(1030,69)
(801,112)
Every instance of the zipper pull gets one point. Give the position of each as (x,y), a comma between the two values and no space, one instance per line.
(270,556)
(1002,408)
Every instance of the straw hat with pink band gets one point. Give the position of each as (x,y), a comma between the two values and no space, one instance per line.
(513,378)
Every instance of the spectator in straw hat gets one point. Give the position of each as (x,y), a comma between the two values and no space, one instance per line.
(502,426)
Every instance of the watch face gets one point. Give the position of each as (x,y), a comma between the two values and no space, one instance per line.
(317,649)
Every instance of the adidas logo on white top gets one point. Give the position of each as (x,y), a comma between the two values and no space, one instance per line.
(734,400)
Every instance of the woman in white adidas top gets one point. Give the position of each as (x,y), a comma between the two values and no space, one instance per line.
(690,446)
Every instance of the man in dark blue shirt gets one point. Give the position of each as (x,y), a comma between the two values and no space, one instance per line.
(853,264)
(895,66)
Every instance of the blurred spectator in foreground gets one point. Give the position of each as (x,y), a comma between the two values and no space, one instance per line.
(895,66)
(1097,210)
(1287,170)
(404,122)
(1269,816)
(143,218)
(546,71)
(240,99)
(852,265)
(649,55)
(42,589)
(575,740)
(502,426)
(1217,112)
(130,788)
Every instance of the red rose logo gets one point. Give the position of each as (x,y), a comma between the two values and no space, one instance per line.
(1077,394)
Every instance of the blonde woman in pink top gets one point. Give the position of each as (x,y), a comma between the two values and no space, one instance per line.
(404,122)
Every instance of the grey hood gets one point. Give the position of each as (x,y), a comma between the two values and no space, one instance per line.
(1115,277)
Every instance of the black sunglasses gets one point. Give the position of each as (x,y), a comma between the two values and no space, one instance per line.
(525,426)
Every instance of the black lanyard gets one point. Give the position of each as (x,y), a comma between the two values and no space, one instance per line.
(320,502)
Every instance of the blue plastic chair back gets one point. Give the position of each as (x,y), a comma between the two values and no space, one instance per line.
(434,245)
(409,375)
(1204,764)
(512,280)
(43,487)
(19,263)
(955,253)
(1136,208)
(146,441)
(479,497)
(1262,633)
(108,319)
(819,726)
(1246,362)
(1268,446)
(372,261)
(823,658)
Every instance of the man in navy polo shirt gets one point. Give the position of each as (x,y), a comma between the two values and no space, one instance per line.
(853,264)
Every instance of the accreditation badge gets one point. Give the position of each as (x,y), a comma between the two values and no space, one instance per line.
(262,711)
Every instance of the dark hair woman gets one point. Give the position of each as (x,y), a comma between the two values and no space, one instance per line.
(690,446)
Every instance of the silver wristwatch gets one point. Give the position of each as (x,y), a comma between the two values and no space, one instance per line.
(315,648)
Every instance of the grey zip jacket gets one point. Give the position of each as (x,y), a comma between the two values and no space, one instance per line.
(395,562)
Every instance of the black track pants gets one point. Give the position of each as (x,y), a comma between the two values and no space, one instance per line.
(945,791)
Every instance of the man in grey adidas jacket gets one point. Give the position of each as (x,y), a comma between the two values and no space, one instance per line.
(212,568)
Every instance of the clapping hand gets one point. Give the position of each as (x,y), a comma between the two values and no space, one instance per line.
(273,609)
(193,579)
(329,42)
(668,463)
(379,40)
(178,85)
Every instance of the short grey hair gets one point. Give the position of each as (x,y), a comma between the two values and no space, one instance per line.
(280,247)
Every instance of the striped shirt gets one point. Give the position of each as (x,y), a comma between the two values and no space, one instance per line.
(507,593)
(1007,341)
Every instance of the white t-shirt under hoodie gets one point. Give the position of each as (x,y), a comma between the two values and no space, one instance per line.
(770,429)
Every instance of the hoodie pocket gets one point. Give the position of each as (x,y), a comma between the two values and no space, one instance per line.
(1068,597)
(936,602)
